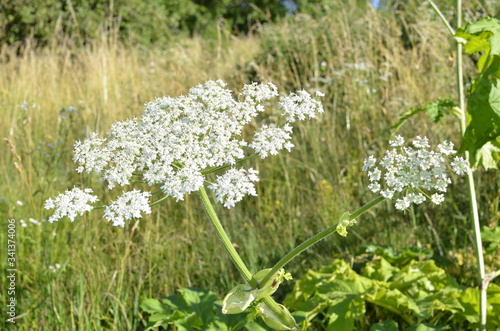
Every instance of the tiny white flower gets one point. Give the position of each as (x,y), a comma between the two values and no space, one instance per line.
(403,203)
(369,163)
(420,142)
(446,148)
(460,166)
(437,198)
(19,202)
(374,187)
(397,142)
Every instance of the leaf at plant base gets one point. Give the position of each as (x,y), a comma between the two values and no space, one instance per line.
(380,269)
(439,302)
(271,320)
(238,299)
(469,299)
(424,275)
(427,327)
(344,310)
(392,300)
(435,110)
(166,316)
(387,325)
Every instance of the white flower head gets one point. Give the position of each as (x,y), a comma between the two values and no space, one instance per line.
(412,173)
(178,141)
(299,106)
(234,185)
(271,140)
(71,203)
(128,206)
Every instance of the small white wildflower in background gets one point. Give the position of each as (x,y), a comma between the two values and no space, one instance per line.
(19,203)
(34,221)
(23,223)
(411,173)
(71,203)
(55,267)
(128,206)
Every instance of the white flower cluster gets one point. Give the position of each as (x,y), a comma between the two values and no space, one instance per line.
(177,139)
(234,185)
(71,203)
(411,173)
(128,206)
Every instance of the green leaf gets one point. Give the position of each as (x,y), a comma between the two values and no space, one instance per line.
(152,306)
(435,110)
(394,301)
(485,29)
(344,310)
(427,327)
(483,108)
(387,325)
(380,270)
(488,155)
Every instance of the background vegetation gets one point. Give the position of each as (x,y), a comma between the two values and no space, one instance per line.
(73,67)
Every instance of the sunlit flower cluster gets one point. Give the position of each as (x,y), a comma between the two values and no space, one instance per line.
(71,203)
(177,142)
(413,174)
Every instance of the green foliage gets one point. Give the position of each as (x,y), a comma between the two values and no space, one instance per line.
(483,106)
(435,110)
(491,236)
(133,21)
(417,296)
(192,309)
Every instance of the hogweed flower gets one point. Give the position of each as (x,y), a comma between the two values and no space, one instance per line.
(71,203)
(178,141)
(413,174)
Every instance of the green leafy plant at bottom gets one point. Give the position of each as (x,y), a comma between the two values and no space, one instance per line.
(391,291)
(417,296)
(195,309)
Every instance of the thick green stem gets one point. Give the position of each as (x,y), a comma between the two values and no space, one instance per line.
(311,241)
(238,262)
(470,183)
(226,242)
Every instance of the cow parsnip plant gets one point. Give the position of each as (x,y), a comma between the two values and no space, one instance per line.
(179,141)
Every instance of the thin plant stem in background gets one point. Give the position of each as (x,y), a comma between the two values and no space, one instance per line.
(470,177)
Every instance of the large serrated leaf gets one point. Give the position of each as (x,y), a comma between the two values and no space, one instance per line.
(486,28)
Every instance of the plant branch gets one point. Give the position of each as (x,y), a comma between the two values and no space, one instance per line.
(313,240)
